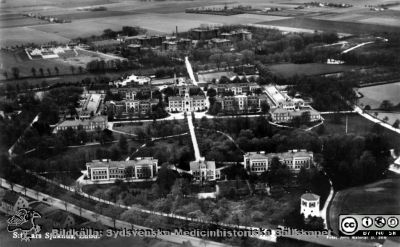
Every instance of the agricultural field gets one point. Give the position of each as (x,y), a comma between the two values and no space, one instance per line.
(27,35)
(21,61)
(367,200)
(291,69)
(333,26)
(374,95)
(16,20)
(162,17)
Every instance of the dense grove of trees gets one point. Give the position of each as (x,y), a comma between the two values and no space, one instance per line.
(111,34)
(381,53)
(327,94)
(14,125)
(256,134)
(352,160)
(63,99)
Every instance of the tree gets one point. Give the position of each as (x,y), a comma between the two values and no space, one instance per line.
(396,124)
(277,172)
(313,223)
(265,107)
(123,144)
(41,72)
(247,56)
(110,34)
(15,72)
(386,105)
(165,179)
(211,92)
(33,70)
(305,117)
(217,59)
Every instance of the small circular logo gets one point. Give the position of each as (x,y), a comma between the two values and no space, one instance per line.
(380,222)
(348,225)
(367,222)
(393,222)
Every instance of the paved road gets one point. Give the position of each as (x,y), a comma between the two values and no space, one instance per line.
(11,150)
(375,120)
(105,220)
(324,212)
(194,139)
(190,71)
(357,46)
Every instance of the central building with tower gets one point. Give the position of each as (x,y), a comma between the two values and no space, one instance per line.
(187,103)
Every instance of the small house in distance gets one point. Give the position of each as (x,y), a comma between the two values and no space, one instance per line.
(12,201)
(309,205)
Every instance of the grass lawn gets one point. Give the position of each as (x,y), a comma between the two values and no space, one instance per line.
(374,95)
(375,198)
(151,129)
(356,125)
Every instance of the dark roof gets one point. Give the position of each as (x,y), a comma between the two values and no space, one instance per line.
(58,215)
(10,197)
(310,197)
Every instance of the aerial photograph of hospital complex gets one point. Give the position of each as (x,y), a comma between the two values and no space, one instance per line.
(185,123)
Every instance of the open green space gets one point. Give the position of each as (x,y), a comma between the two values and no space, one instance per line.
(291,69)
(378,197)
(357,125)
(374,95)
(153,129)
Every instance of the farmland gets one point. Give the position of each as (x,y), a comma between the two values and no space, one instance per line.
(24,35)
(163,17)
(21,61)
(333,26)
